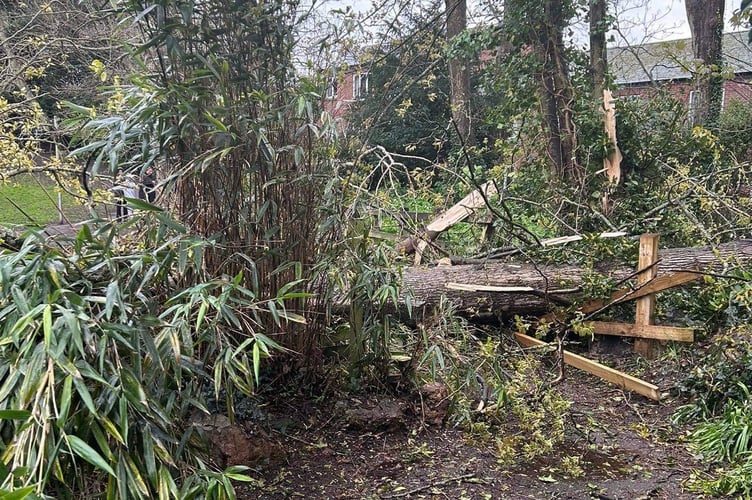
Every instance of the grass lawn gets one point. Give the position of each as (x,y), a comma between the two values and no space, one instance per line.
(37,196)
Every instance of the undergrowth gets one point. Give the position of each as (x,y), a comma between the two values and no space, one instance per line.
(721,410)
(501,395)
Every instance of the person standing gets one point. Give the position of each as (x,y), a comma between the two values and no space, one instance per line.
(125,187)
(149,185)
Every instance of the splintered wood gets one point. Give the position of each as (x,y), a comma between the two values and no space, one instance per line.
(457,213)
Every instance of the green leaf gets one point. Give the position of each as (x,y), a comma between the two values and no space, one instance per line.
(65,401)
(143,205)
(14,414)
(171,223)
(18,494)
(83,392)
(111,296)
(88,453)
(200,317)
(256,361)
(294,317)
(221,126)
(47,325)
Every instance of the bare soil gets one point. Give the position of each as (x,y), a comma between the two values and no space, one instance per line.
(626,446)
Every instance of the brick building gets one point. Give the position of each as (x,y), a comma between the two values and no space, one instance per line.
(640,70)
(345,88)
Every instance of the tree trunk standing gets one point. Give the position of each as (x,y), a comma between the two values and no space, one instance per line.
(459,73)
(598,55)
(557,95)
(705,19)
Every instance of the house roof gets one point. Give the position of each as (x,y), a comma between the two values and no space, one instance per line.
(673,60)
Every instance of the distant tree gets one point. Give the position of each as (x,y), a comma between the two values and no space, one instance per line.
(706,24)
(743,16)
(50,52)
(598,57)
(407,109)
(538,29)
(459,72)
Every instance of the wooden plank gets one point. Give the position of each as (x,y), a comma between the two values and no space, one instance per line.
(645,310)
(655,285)
(616,377)
(643,331)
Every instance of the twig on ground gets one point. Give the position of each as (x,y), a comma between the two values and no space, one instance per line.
(462,478)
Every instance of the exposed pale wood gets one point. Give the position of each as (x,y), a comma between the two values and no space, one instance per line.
(645,309)
(577,237)
(616,377)
(488,288)
(457,213)
(419,249)
(612,162)
(467,287)
(643,331)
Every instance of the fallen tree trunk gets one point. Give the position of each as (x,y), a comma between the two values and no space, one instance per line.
(527,289)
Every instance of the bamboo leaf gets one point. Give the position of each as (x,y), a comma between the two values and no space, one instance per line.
(88,453)
(47,325)
(143,205)
(256,361)
(14,414)
(18,494)
(83,392)
(294,317)
(200,317)
(110,297)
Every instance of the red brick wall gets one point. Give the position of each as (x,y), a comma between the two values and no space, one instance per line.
(738,89)
(339,105)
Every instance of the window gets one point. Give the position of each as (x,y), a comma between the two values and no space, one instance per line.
(694,101)
(331,88)
(360,85)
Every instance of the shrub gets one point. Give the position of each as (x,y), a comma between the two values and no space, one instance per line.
(735,129)
(103,351)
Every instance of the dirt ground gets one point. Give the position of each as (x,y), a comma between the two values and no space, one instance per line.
(625,444)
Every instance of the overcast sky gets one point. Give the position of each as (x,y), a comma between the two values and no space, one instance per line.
(640,20)
(661,19)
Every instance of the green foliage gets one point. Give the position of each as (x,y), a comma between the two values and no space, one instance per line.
(219,112)
(735,129)
(729,436)
(37,198)
(104,352)
(723,375)
(407,109)
(501,396)
(734,480)
(719,391)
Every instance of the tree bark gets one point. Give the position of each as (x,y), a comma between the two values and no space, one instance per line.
(598,55)
(557,95)
(705,19)
(459,73)
(553,285)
